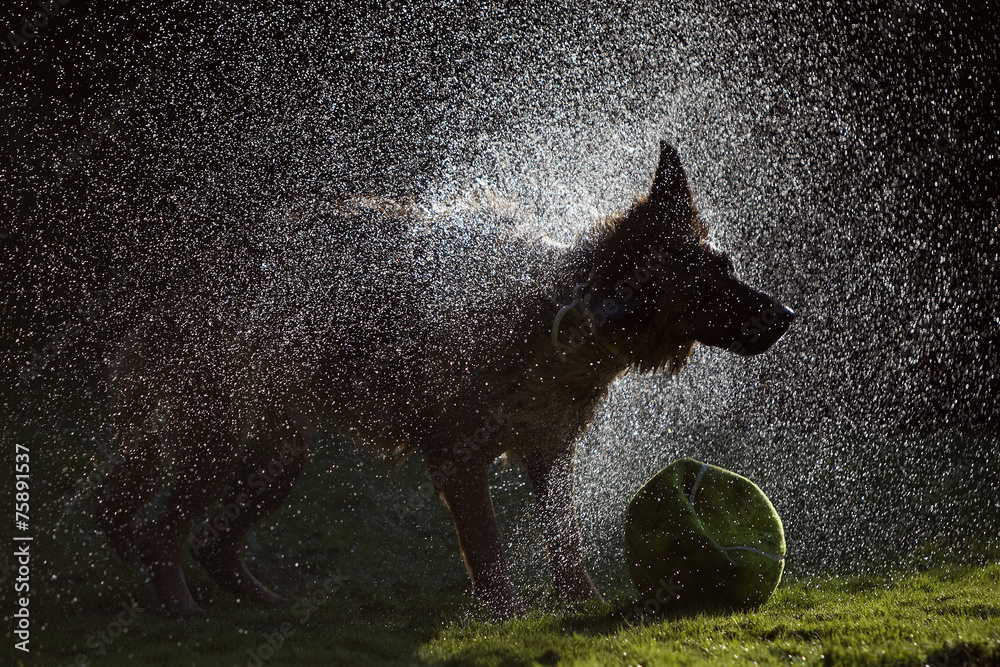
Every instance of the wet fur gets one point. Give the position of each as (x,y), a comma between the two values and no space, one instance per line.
(216,389)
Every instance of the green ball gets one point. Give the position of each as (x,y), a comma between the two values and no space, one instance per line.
(700,535)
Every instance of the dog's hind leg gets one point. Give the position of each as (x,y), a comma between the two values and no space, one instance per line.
(132,481)
(204,459)
(262,483)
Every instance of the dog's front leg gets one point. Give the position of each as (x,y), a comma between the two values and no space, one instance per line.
(551,478)
(466,493)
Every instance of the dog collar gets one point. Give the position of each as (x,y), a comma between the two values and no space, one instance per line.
(580,304)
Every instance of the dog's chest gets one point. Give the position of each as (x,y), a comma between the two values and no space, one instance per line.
(548,410)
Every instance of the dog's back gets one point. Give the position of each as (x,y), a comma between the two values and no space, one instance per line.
(381,316)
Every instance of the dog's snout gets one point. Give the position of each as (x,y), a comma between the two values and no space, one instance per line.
(784,316)
(763,330)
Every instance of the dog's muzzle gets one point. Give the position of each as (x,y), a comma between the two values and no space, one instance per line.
(762,330)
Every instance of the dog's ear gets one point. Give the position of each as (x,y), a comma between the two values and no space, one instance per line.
(670,185)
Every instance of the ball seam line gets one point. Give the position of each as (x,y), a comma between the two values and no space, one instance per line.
(697,482)
(756,551)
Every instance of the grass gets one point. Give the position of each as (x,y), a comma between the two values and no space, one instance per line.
(367,562)
(948,616)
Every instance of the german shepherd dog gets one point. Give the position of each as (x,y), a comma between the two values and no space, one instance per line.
(216,386)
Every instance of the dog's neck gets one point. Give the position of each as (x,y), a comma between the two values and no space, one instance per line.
(575,332)
(587,325)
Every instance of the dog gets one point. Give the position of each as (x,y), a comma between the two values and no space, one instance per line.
(371,323)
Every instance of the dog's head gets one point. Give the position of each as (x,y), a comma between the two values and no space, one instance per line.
(662,286)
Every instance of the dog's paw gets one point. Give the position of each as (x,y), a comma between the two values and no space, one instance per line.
(578,588)
(504,602)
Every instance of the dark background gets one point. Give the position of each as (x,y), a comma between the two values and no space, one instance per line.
(412,86)
(853,161)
